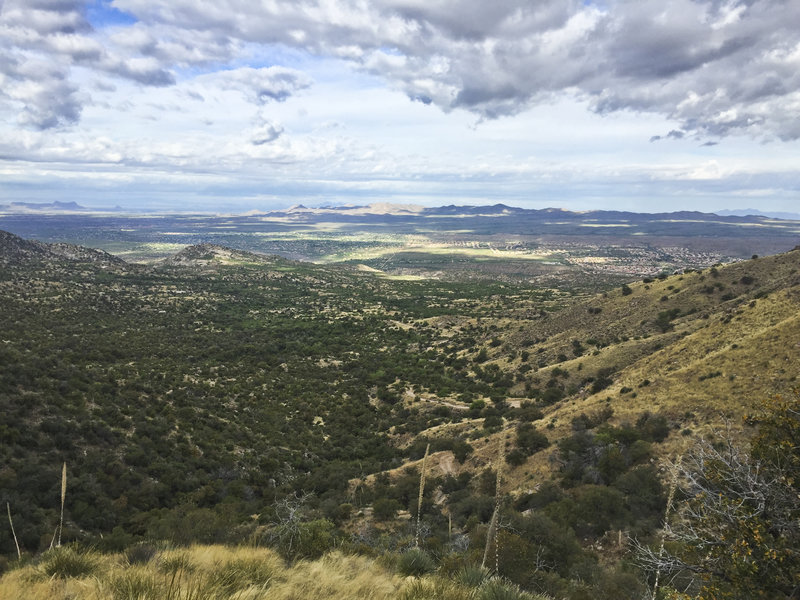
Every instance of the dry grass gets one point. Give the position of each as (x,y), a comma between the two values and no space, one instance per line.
(203,573)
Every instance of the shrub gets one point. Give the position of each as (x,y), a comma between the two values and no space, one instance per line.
(492,421)
(552,395)
(316,538)
(516,457)
(527,411)
(385,509)
(436,588)
(498,589)
(140,554)
(529,440)
(653,428)
(415,562)
(472,576)
(68,562)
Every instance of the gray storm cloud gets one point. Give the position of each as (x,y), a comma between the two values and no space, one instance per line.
(717,67)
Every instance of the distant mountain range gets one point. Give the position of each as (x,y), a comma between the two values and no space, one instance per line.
(410,210)
(757,213)
(42,207)
(388,209)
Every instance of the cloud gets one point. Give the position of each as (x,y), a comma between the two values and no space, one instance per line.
(175,46)
(45,16)
(266,133)
(42,90)
(263,85)
(717,67)
(41,41)
(147,71)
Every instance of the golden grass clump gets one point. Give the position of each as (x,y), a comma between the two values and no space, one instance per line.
(198,573)
(338,576)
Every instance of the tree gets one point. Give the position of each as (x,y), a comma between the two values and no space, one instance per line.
(737,534)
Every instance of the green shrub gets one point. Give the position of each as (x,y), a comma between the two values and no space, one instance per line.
(415,562)
(498,589)
(140,554)
(529,440)
(472,576)
(385,509)
(516,457)
(316,538)
(68,562)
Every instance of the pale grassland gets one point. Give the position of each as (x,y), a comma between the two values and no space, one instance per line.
(199,573)
(220,572)
(434,249)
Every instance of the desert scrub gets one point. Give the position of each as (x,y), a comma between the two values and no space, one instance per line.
(140,553)
(68,562)
(415,562)
(499,589)
(472,576)
(435,588)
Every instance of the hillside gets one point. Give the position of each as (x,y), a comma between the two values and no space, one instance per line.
(199,399)
(702,349)
(15,250)
(211,255)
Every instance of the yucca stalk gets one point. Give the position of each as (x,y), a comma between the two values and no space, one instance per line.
(14,533)
(63,496)
(449,527)
(421,492)
(672,486)
(491,534)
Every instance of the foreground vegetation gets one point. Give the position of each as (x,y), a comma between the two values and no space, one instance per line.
(446,430)
(218,572)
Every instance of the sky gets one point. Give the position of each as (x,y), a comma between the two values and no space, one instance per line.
(234,105)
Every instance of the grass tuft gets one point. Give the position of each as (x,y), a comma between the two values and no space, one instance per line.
(415,562)
(472,576)
(499,589)
(140,554)
(135,584)
(242,573)
(68,562)
(435,588)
